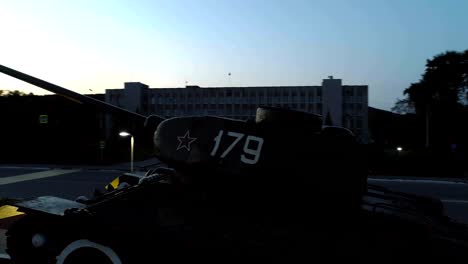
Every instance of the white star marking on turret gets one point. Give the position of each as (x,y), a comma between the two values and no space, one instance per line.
(185,141)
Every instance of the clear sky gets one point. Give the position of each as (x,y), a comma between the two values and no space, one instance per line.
(82,45)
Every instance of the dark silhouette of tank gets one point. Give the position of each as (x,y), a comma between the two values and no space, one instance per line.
(282,187)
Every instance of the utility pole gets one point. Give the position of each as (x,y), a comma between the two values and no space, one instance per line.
(427,125)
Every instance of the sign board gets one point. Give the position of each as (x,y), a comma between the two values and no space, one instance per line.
(102,144)
(43,119)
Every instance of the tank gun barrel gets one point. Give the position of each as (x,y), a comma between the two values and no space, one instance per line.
(74,96)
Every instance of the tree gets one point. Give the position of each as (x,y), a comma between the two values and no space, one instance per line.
(14,93)
(403,106)
(443,84)
(440,98)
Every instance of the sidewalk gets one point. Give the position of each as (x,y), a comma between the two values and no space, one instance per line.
(138,165)
(418,178)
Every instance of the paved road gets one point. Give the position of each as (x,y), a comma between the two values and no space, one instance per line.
(25,182)
(66,183)
(454,194)
(28,182)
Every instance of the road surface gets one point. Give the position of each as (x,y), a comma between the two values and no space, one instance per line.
(453,193)
(28,182)
(68,183)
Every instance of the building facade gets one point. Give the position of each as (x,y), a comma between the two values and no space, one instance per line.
(340,105)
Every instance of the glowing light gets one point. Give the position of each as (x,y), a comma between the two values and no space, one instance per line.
(124,134)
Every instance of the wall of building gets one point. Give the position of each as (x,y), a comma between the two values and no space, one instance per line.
(345,104)
(332,101)
(235,102)
(71,133)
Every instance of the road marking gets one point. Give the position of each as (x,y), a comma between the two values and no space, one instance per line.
(417,181)
(34,176)
(23,168)
(455,201)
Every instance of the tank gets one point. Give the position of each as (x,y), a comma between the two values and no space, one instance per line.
(280,187)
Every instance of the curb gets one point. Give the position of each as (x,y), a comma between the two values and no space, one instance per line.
(416,178)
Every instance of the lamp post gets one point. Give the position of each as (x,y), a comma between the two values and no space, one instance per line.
(126,134)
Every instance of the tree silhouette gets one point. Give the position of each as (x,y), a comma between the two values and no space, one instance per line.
(403,106)
(444,83)
(440,98)
(14,93)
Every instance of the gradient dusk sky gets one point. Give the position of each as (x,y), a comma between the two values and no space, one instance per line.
(98,45)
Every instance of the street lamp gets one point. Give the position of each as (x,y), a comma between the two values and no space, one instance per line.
(399,149)
(126,134)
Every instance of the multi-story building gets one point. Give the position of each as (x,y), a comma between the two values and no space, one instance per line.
(340,105)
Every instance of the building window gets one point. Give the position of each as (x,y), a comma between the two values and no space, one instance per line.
(351,123)
(359,92)
(319,91)
(349,91)
(237,109)
(311,97)
(359,123)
